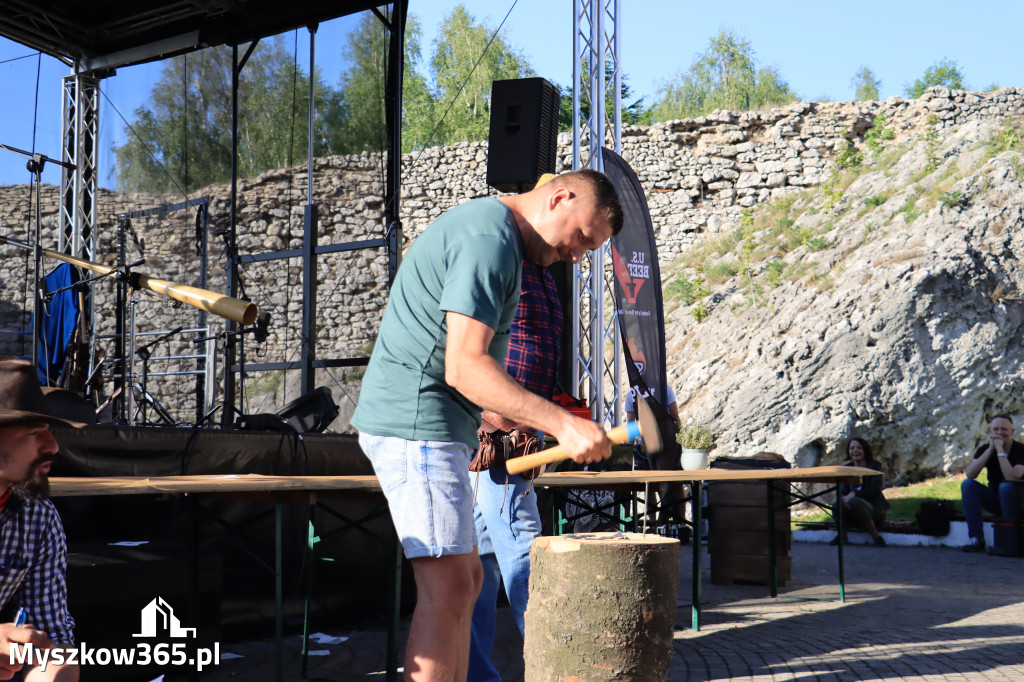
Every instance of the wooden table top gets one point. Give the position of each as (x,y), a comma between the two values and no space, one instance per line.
(210,483)
(235,483)
(578,479)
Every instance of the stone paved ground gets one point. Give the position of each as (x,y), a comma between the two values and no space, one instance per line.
(911,613)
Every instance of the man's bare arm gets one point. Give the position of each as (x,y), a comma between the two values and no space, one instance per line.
(477,376)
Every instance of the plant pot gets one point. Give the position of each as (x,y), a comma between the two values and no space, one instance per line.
(692,460)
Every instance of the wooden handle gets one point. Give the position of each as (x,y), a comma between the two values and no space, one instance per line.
(619,434)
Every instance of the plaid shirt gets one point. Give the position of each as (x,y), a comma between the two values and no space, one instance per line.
(33,563)
(535,340)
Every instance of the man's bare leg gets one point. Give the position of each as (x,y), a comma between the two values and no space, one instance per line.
(446,589)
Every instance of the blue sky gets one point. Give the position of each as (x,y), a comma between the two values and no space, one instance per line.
(817,47)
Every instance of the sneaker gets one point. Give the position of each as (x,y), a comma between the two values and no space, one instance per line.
(880,542)
(834,541)
(975,545)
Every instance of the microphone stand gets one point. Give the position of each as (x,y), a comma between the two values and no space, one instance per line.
(146,399)
(35,166)
(231,338)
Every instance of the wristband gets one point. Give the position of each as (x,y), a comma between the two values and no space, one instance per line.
(1003,454)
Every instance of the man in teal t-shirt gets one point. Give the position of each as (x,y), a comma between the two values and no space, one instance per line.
(438,361)
(467,262)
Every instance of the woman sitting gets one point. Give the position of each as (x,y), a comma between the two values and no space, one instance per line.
(864,505)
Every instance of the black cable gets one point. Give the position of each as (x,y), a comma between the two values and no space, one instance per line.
(35,112)
(149,150)
(190,444)
(184,123)
(14,59)
(291,123)
(291,159)
(465,83)
(33,281)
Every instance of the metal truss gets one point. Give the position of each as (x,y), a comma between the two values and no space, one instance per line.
(78,182)
(80,134)
(596,341)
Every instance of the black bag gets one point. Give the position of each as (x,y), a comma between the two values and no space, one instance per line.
(934,516)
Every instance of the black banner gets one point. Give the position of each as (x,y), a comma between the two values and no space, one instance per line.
(638,301)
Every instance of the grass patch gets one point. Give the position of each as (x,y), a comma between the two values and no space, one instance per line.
(951,198)
(722,272)
(773,273)
(269,382)
(877,138)
(685,291)
(1009,137)
(889,158)
(817,244)
(877,200)
(905,500)
(910,209)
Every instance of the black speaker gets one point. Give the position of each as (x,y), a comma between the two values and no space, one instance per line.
(523,140)
(311,413)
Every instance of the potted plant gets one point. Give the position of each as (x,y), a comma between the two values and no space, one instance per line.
(696,440)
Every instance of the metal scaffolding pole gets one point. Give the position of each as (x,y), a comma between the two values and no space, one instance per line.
(596,344)
(79,180)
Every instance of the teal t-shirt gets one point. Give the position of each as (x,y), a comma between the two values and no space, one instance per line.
(468,261)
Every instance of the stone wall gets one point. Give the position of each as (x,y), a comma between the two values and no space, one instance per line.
(699,175)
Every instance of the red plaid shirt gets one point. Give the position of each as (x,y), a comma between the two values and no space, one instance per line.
(534,343)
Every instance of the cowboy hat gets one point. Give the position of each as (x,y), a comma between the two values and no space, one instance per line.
(21,398)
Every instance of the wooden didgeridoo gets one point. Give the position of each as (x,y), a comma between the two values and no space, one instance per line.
(242,312)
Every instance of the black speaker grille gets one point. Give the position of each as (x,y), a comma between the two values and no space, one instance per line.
(523,142)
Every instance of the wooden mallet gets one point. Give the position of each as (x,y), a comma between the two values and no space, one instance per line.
(646,425)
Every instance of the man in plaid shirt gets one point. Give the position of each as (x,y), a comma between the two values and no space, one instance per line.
(506,513)
(33,551)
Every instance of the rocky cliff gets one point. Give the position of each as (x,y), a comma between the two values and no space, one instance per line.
(883,303)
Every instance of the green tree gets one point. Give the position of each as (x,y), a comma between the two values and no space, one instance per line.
(945,73)
(462,87)
(725,76)
(866,85)
(633,113)
(357,123)
(181,139)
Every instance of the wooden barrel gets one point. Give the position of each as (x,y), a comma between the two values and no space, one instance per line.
(602,607)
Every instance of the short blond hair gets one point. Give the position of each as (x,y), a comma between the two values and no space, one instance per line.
(597,185)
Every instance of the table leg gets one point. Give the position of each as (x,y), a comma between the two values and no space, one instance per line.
(696,497)
(278,592)
(311,540)
(394,608)
(773,572)
(191,501)
(635,509)
(840,528)
(557,517)
(647,504)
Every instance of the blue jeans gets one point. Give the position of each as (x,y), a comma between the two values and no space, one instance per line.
(974,496)
(507,522)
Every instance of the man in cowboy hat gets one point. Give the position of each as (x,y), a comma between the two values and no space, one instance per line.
(33,550)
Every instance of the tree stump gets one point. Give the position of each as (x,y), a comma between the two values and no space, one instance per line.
(602,607)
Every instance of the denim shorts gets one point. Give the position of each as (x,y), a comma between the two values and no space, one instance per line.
(429,493)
